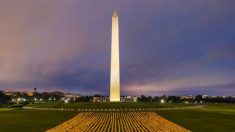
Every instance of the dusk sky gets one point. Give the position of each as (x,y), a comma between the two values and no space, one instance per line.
(166,47)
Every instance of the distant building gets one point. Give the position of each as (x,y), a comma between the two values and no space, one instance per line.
(205,96)
(129,98)
(187,97)
(68,97)
(71,95)
(122,99)
(30,94)
(9,93)
(97,99)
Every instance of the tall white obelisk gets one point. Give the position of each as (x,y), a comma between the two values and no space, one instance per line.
(115,68)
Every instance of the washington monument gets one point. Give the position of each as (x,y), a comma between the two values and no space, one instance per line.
(115,68)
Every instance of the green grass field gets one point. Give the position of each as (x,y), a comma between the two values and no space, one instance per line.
(110,105)
(211,118)
(221,108)
(31,120)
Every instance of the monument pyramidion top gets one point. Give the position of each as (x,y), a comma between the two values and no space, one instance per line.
(115,14)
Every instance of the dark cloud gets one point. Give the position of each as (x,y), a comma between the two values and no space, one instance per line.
(166,47)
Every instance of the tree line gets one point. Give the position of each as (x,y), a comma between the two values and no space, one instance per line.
(58,96)
(178,99)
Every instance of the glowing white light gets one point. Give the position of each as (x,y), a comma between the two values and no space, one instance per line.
(162,101)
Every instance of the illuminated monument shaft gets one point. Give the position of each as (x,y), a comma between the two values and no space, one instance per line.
(115,69)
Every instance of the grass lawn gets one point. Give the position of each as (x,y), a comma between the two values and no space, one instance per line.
(208,119)
(221,108)
(211,118)
(89,105)
(31,120)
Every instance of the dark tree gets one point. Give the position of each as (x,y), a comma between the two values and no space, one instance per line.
(173,99)
(143,98)
(198,98)
(4,99)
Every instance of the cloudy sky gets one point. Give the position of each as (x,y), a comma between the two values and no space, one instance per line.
(166,47)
